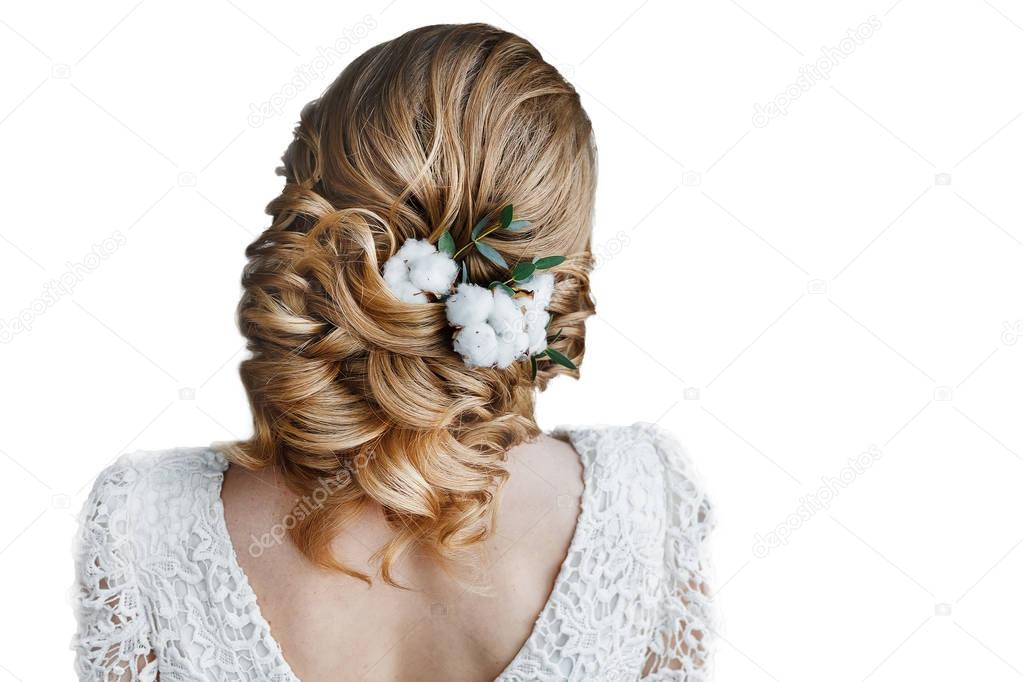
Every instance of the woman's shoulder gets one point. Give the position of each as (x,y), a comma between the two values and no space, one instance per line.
(621,448)
(140,488)
(610,438)
(641,472)
(643,519)
(145,467)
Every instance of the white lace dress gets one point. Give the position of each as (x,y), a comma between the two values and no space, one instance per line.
(160,590)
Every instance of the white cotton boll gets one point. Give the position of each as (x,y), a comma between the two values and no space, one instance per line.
(477,344)
(511,348)
(395,273)
(396,276)
(414,249)
(536,329)
(505,356)
(471,304)
(509,323)
(542,286)
(521,345)
(410,293)
(506,316)
(434,272)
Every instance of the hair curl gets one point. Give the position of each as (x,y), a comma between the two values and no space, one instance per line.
(430,131)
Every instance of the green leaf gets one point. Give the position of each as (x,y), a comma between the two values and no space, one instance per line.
(517,225)
(506,216)
(532,367)
(503,287)
(560,359)
(480,226)
(491,254)
(552,339)
(523,271)
(446,243)
(548,262)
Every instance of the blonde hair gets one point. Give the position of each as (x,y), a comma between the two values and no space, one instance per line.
(430,131)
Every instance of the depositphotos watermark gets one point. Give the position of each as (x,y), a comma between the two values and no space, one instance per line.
(308,504)
(815,72)
(1012,332)
(311,72)
(62,286)
(608,250)
(817,501)
(302,509)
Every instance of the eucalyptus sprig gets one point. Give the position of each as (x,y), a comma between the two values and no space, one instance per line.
(483,229)
(524,270)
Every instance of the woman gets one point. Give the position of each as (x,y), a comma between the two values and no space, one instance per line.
(397,510)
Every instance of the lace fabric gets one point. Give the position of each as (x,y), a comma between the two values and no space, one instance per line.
(160,589)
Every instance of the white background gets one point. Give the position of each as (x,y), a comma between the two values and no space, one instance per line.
(845,277)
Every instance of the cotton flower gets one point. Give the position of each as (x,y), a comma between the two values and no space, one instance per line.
(409,293)
(477,344)
(511,347)
(396,273)
(471,304)
(517,324)
(506,316)
(414,249)
(536,329)
(433,272)
(542,286)
(492,327)
(417,269)
(509,323)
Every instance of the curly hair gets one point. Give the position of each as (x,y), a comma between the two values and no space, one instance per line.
(427,132)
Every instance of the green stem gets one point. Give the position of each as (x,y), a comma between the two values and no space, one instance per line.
(487,233)
(473,241)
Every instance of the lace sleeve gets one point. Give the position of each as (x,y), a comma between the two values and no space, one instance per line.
(113,638)
(680,649)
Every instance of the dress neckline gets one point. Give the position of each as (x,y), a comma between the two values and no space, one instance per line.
(265,633)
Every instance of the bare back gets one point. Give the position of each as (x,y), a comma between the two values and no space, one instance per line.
(333,627)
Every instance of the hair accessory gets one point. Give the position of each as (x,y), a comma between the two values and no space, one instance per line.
(497,325)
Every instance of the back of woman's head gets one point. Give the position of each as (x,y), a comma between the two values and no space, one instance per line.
(357,396)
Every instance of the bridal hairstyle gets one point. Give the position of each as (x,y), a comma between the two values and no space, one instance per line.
(355,395)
